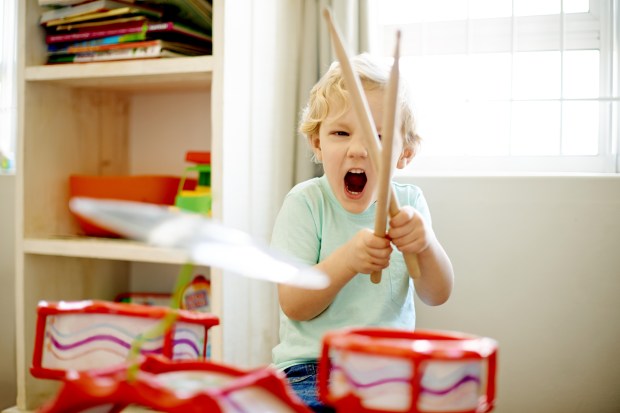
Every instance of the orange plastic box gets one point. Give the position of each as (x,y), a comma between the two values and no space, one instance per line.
(155,189)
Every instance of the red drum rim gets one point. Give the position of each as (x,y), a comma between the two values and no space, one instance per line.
(418,344)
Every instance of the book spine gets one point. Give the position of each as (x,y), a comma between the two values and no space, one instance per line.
(58,48)
(105,47)
(95,34)
(66,11)
(98,25)
(59,2)
(134,53)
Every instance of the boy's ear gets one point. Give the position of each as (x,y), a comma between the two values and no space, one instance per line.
(315,143)
(405,157)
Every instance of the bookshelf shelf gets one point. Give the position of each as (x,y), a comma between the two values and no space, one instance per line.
(158,74)
(112,249)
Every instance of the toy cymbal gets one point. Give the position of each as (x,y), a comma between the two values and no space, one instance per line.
(208,243)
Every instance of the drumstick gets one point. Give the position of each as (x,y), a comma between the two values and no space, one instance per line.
(365,118)
(386,170)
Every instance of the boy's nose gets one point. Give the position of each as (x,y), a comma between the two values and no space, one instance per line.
(357,147)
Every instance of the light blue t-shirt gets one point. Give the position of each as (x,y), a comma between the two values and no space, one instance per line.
(310,225)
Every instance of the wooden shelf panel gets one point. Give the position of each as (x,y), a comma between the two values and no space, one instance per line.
(132,75)
(103,248)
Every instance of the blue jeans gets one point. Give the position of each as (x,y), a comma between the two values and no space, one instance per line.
(302,379)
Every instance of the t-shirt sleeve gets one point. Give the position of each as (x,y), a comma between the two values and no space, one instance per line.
(413,196)
(422,207)
(296,231)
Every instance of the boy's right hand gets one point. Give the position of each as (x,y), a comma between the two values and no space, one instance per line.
(366,252)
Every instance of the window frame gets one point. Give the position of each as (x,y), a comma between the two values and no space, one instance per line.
(596,29)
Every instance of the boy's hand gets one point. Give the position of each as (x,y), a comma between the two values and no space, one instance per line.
(408,231)
(366,252)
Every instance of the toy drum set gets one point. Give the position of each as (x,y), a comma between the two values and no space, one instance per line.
(86,344)
(386,370)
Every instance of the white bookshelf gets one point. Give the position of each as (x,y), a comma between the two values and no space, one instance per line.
(84,119)
(93,119)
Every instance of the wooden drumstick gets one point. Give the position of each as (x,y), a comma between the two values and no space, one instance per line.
(369,130)
(386,169)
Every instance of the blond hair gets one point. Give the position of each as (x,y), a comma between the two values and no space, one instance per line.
(330,89)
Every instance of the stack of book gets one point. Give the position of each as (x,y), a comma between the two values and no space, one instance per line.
(79,31)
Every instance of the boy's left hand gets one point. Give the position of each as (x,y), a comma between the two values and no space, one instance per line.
(409,232)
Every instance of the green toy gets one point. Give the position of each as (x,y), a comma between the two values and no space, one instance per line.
(199,199)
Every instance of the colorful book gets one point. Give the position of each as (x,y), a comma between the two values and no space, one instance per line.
(106,15)
(154,51)
(96,23)
(94,6)
(98,9)
(186,49)
(104,41)
(105,28)
(164,30)
(60,2)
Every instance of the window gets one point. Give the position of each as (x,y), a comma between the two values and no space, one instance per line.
(509,85)
(8,109)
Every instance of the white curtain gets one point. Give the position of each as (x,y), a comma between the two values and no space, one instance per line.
(301,54)
(8,108)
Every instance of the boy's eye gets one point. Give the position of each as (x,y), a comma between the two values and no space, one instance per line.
(341,133)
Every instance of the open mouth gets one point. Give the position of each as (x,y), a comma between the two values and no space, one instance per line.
(355,181)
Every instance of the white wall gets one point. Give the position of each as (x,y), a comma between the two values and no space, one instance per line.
(537,265)
(8,387)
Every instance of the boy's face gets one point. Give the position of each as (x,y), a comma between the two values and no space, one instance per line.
(341,147)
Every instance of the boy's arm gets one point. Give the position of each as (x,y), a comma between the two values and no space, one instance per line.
(434,286)
(364,253)
(300,304)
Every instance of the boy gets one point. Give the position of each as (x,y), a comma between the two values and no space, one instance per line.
(328,221)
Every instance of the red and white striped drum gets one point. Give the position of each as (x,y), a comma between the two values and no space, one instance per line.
(181,386)
(388,370)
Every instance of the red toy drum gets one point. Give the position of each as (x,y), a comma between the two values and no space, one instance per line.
(387,370)
(84,335)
